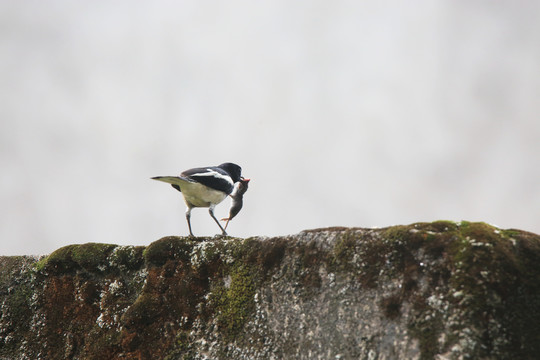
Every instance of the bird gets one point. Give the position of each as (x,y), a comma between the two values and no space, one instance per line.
(237,195)
(205,187)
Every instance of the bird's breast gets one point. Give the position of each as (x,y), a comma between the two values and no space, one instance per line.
(198,195)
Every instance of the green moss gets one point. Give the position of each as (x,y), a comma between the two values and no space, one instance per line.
(236,303)
(236,268)
(58,261)
(127,258)
(481,257)
(216,257)
(198,281)
(168,248)
(483,264)
(396,233)
(207,252)
(17,312)
(145,311)
(39,266)
(438,226)
(444,225)
(14,267)
(91,257)
(264,255)
(182,348)
(511,233)
(490,272)
(427,329)
(311,258)
(521,316)
(375,255)
(343,252)
(479,231)
(464,224)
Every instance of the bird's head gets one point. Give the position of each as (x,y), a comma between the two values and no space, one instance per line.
(233,170)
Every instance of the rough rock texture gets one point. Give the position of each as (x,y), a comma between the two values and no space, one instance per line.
(438,290)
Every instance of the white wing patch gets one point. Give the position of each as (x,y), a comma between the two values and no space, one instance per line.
(210,172)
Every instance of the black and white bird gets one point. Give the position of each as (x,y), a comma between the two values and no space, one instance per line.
(205,187)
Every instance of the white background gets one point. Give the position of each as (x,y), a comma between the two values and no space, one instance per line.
(353,113)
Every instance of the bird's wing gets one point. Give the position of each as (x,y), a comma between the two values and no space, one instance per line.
(213,177)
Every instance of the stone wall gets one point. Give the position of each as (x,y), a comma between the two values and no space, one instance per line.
(440,290)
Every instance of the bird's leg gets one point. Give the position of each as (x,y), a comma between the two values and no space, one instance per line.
(227,223)
(211,211)
(188,218)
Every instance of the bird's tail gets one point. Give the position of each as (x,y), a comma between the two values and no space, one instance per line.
(175,181)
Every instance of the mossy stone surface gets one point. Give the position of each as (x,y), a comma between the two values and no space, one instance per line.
(443,289)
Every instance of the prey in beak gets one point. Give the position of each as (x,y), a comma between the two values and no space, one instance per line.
(237,195)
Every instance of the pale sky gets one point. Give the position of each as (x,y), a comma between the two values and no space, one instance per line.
(350,113)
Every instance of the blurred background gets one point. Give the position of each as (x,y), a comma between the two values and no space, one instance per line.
(350,113)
